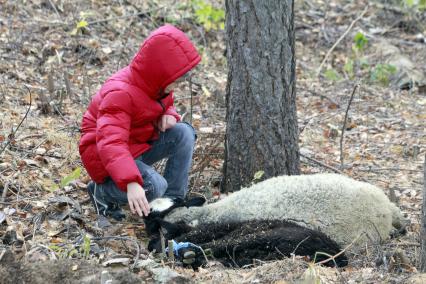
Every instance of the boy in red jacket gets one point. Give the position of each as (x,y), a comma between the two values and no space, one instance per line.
(131,123)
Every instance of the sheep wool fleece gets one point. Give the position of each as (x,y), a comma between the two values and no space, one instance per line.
(342,208)
(120,121)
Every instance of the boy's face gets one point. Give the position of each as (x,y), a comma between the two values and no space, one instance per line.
(171,87)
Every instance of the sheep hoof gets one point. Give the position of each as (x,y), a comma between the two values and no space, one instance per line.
(188,261)
(189,254)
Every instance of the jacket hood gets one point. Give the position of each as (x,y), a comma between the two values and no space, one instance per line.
(164,56)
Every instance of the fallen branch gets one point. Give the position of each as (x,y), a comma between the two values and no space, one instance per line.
(388,169)
(54,8)
(171,252)
(5,189)
(344,126)
(61,23)
(340,39)
(12,135)
(191,93)
(163,244)
(294,251)
(146,13)
(342,251)
(322,164)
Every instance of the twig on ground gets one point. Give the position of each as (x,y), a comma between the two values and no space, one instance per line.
(205,257)
(19,188)
(12,135)
(5,189)
(51,85)
(32,152)
(29,199)
(388,169)
(58,111)
(344,125)
(191,93)
(309,119)
(54,8)
(408,244)
(389,7)
(302,241)
(322,164)
(126,16)
(87,91)
(2,90)
(340,39)
(37,220)
(163,244)
(125,239)
(67,84)
(23,138)
(232,257)
(342,251)
(203,163)
(62,23)
(171,254)
(201,32)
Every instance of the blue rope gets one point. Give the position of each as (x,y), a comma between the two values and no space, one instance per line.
(181,245)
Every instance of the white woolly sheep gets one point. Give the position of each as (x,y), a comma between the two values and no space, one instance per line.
(338,206)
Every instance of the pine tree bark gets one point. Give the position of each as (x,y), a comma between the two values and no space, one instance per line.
(262,133)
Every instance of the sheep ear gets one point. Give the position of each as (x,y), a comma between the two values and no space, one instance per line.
(195,202)
(178,202)
(173,230)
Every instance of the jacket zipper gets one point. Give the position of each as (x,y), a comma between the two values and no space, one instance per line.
(162,105)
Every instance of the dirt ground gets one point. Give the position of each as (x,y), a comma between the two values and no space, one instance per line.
(49,71)
(59,271)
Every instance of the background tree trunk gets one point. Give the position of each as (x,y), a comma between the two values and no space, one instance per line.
(423,228)
(262,133)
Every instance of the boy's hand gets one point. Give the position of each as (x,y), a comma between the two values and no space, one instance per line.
(137,199)
(166,121)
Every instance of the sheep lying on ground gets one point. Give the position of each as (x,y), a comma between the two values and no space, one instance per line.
(239,243)
(340,207)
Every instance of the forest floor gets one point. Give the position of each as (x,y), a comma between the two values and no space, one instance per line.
(49,69)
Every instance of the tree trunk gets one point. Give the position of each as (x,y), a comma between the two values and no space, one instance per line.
(261,133)
(423,229)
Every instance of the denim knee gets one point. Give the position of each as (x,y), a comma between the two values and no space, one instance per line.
(185,132)
(154,185)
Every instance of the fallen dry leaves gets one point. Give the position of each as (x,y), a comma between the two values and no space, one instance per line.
(384,143)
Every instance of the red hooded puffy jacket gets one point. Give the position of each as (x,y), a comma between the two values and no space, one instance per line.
(121,118)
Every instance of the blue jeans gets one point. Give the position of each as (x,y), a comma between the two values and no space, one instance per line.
(176,144)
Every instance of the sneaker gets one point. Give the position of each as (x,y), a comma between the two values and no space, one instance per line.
(103,207)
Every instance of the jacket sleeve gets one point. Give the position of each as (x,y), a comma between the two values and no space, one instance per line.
(171,110)
(112,139)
